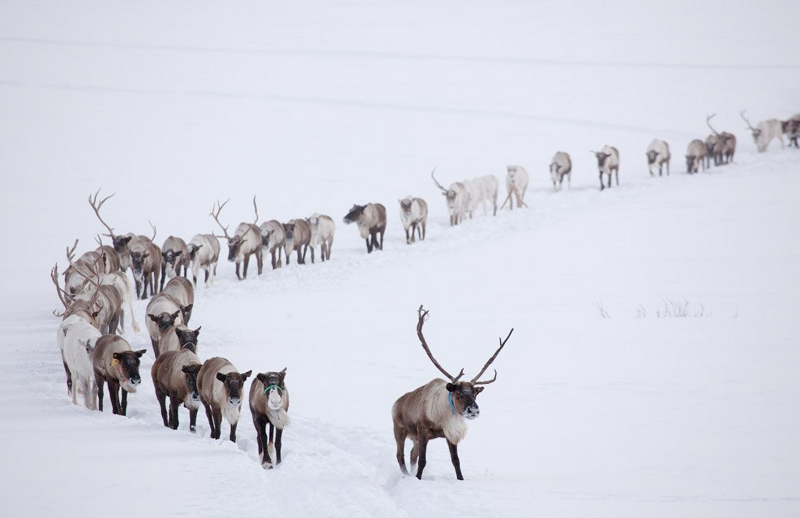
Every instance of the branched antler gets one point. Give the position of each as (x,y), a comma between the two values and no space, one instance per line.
(423,314)
(750,126)
(708,123)
(62,295)
(486,366)
(437,183)
(71,253)
(96,207)
(215,211)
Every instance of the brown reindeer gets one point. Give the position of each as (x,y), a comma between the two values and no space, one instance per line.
(175,375)
(371,221)
(245,242)
(269,404)
(438,409)
(106,296)
(174,255)
(728,143)
(115,363)
(221,390)
(297,236)
(163,312)
(176,338)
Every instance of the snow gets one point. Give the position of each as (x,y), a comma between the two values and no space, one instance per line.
(313,106)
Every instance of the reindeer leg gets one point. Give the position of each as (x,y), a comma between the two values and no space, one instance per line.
(455,459)
(162,401)
(99,381)
(369,247)
(330,245)
(193,420)
(601,181)
(272,254)
(246,264)
(113,395)
(382,232)
(217,414)
(69,375)
(124,405)
(237,272)
(408,239)
(233,432)
(260,260)
(312,254)
(400,438)
(414,456)
(278,435)
(174,403)
(210,418)
(616,176)
(423,450)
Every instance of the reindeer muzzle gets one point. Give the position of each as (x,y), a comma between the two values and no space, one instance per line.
(472,412)
(234,401)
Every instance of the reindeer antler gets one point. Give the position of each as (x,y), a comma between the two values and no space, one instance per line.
(437,183)
(96,207)
(59,290)
(741,113)
(255,205)
(708,123)
(486,366)
(155,231)
(71,253)
(215,211)
(423,314)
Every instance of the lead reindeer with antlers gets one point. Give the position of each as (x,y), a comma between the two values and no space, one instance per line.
(437,409)
(245,242)
(764,132)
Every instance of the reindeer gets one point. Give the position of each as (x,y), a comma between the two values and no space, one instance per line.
(516,184)
(269,404)
(371,221)
(182,291)
(115,363)
(175,255)
(174,374)
(220,388)
(437,409)
(119,280)
(607,163)
(79,341)
(695,156)
(163,312)
(79,269)
(471,199)
(764,132)
(244,243)
(657,156)
(485,188)
(297,237)
(728,143)
(120,243)
(204,253)
(322,229)
(456,197)
(561,166)
(414,216)
(791,128)
(107,296)
(176,338)
(715,146)
(145,263)
(273,239)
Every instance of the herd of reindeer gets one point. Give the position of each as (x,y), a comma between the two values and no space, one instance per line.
(96,289)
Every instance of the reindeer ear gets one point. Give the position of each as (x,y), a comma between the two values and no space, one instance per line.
(115,356)
(283,372)
(246,375)
(140,353)
(94,315)
(450,387)
(221,377)
(187,308)
(197,331)
(262,378)
(153,317)
(127,239)
(179,252)
(175,315)
(478,390)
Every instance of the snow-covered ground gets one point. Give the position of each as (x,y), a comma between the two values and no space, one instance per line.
(314,106)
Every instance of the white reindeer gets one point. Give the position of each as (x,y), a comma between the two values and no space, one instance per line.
(657,156)
(485,190)
(79,343)
(414,216)
(561,166)
(456,197)
(322,230)
(204,252)
(516,184)
(764,132)
(607,163)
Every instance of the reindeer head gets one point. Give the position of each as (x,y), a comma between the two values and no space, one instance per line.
(462,394)
(651,157)
(288,231)
(126,366)
(170,258)
(121,243)
(355,214)
(190,372)
(512,172)
(601,159)
(266,236)
(137,260)
(555,172)
(234,245)
(193,250)
(274,388)
(233,382)
(692,164)
(405,204)
(188,338)
(313,224)
(164,320)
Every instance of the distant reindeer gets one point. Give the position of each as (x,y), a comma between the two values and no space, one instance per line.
(174,374)
(221,391)
(297,236)
(414,216)
(204,253)
(269,405)
(116,364)
(181,289)
(273,239)
(695,156)
(485,188)
(516,184)
(791,128)
(175,255)
(437,409)
(106,296)
(79,342)
(456,197)
(561,166)
(764,132)
(246,241)
(657,156)
(371,221)
(607,163)
(715,147)
(145,263)
(322,229)
(728,143)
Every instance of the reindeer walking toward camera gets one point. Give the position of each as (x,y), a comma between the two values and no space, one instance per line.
(269,405)
(273,239)
(204,253)
(322,229)
(516,185)
(174,374)
(175,256)
(607,164)
(414,216)
(438,409)
(695,156)
(221,390)
(246,241)
(561,166)
(791,128)
(657,156)
(456,198)
(371,221)
(116,364)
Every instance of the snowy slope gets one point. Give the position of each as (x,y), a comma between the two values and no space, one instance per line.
(313,107)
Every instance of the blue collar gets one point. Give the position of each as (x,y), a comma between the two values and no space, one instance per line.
(450,399)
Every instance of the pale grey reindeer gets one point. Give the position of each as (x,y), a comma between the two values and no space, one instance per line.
(516,185)
(764,132)
(414,216)
(322,229)
(273,239)
(657,155)
(561,166)
(456,198)
(695,156)
(607,164)
(175,256)
(246,241)
(204,254)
